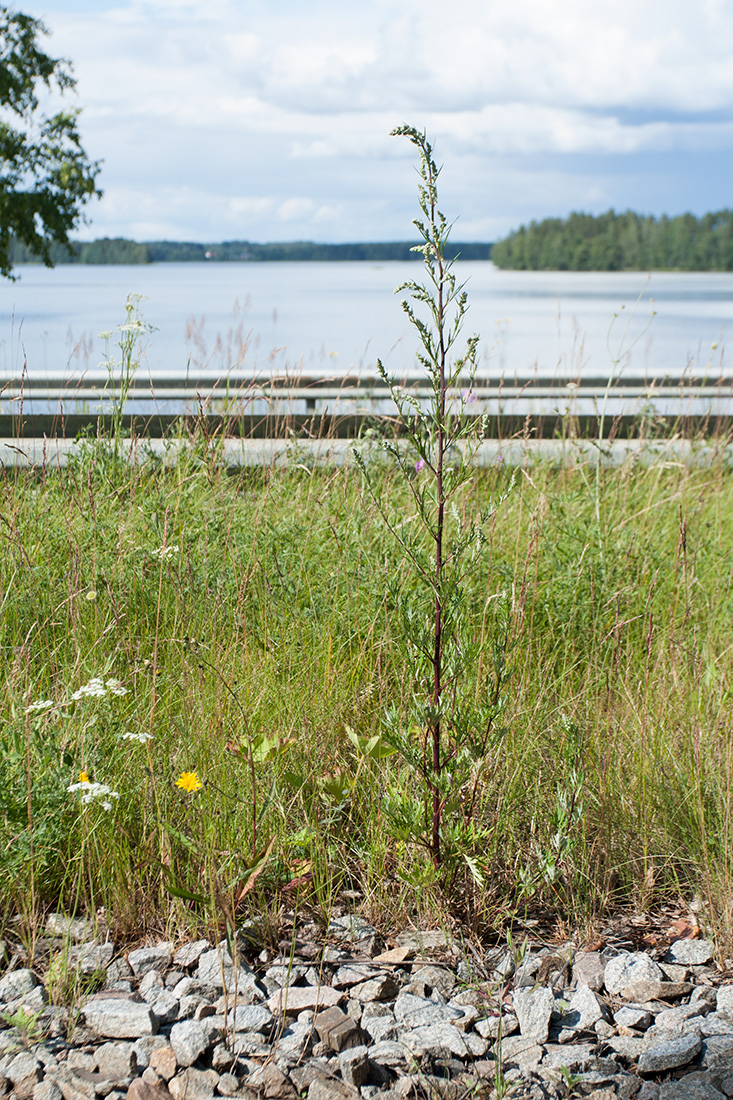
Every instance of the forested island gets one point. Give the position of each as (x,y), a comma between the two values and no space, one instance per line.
(620,242)
(121,251)
(580,242)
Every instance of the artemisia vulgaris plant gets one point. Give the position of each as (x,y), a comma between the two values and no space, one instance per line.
(446,737)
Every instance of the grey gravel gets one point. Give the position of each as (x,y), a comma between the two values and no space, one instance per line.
(670,1054)
(190,1023)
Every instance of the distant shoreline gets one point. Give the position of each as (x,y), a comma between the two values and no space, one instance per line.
(122,251)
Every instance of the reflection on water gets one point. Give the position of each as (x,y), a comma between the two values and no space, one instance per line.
(334,319)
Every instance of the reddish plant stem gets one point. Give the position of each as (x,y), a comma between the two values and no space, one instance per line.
(438,629)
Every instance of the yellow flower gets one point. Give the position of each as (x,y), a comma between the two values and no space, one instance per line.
(189,782)
(83,777)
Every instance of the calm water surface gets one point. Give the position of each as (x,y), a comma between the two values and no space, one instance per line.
(330,319)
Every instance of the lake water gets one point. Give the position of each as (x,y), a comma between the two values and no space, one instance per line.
(331,319)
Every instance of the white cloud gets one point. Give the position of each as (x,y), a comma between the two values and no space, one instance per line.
(205,111)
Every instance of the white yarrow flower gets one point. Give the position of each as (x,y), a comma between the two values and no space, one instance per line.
(98,688)
(41,704)
(166,552)
(141,737)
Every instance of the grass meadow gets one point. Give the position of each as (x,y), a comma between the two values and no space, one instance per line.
(195,666)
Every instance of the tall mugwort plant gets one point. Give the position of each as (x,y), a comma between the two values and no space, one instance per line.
(449,731)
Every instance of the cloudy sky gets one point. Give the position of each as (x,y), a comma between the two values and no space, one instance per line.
(269,119)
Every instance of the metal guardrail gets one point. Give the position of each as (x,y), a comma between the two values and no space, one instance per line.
(261,406)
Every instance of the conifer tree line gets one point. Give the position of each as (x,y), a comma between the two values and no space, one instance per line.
(620,242)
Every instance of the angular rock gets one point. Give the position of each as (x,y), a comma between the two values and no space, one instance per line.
(588,969)
(250,1018)
(295,1041)
(119,1017)
(91,957)
(297,998)
(165,1007)
(140,1090)
(489,1027)
(47,1090)
(216,969)
(670,1054)
(251,1045)
(628,1047)
(630,969)
(116,1060)
(164,1062)
(322,1089)
(24,1072)
(690,952)
(469,1016)
(190,1039)
(584,1010)
(119,970)
(715,1024)
(389,1054)
(500,965)
(673,1018)
(533,1008)
(228,1085)
(151,986)
(382,988)
(381,1029)
(188,955)
(352,974)
(194,1084)
(145,959)
(424,943)
(717,1055)
(354,1066)
(222,1059)
(16,984)
(144,1048)
(411,1011)
(641,992)
(272,1083)
(693,1086)
(337,1030)
(441,1037)
(724,1000)
(629,1016)
(574,1058)
(69,928)
(438,977)
(81,1059)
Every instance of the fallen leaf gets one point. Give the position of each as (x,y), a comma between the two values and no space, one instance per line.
(683,930)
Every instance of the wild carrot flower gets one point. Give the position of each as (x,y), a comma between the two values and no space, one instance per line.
(141,737)
(189,782)
(95,687)
(115,687)
(92,792)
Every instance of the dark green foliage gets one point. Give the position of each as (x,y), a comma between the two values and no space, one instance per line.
(45,175)
(620,242)
(120,251)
